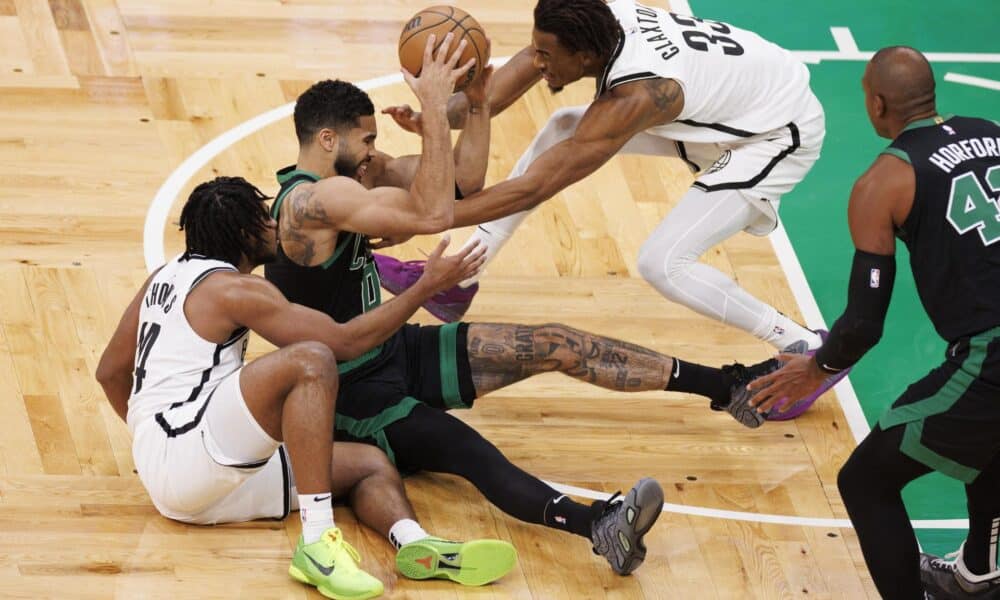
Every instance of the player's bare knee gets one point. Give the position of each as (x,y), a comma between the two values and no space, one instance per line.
(314,360)
(373,462)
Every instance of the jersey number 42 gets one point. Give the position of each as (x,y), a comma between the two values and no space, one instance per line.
(971,207)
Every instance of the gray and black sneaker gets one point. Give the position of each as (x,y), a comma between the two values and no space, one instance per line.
(945,578)
(617,533)
(739,399)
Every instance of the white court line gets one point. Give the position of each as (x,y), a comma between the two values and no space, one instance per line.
(971,80)
(845,40)
(797,281)
(732,515)
(159,208)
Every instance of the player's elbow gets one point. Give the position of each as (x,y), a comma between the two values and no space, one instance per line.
(108,370)
(470,184)
(435,221)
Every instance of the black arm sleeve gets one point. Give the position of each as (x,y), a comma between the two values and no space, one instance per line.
(860,327)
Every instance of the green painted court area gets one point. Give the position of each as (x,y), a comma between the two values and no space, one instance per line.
(815,214)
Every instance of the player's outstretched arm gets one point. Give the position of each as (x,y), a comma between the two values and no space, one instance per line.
(880,202)
(114,371)
(607,125)
(253,302)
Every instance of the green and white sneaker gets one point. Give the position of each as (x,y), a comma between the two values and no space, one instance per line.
(331,564)
(477,562)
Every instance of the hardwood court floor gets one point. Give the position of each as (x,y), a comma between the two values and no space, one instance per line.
(101,99)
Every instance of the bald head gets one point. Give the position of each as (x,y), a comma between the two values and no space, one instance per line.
(903,78)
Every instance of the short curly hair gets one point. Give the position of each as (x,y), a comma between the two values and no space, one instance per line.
(224,219)
(330,104)
(580,25)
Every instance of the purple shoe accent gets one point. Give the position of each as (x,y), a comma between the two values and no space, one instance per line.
(397,276)
(803,405)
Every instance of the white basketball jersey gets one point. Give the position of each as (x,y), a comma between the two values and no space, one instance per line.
(736,84)
(173,364)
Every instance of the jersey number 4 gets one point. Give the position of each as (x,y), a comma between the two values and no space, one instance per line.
(147,337)
(971,207)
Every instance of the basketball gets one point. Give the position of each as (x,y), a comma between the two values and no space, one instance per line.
(439,20)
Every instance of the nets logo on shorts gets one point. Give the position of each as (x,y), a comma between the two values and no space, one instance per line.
(721,163)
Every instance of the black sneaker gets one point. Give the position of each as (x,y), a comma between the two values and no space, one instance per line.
(617,533)
(944,578)
(739,398)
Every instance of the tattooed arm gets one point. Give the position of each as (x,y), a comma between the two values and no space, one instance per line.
(341,203)
(608,124)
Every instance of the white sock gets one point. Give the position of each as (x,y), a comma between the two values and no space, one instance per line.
(493,235)
(405,531)
(316,512)
(784,331)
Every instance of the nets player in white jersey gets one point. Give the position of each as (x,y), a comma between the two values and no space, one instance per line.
(736,108)
(217,441)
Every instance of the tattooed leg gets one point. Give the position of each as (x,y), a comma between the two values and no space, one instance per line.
(500,354)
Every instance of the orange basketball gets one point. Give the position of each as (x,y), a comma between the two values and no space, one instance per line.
(439,20)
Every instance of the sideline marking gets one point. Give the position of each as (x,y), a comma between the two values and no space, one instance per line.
(845,40)
(989,84)
(731,515)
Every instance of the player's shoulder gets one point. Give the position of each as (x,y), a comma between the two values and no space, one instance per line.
(887,175)
(229,286)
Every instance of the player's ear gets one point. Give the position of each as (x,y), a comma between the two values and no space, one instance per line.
(327,139)
(879,105)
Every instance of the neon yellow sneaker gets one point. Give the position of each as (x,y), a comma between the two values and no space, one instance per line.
(331,564)
(470,563)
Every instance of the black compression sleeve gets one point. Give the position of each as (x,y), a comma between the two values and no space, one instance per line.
(860,327)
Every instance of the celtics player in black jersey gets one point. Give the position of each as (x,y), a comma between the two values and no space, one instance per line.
(935,188)
(341,193)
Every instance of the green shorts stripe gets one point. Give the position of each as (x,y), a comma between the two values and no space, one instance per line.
(349,365)
(950,392)
(374,427)
(912,447)
(448,350)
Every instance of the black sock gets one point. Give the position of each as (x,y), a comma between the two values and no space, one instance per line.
(567,515)
(702,380)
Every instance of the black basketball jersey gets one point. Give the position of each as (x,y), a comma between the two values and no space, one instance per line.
(344,286)
(953,230)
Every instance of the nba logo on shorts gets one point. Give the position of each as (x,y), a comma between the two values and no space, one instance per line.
(874,277)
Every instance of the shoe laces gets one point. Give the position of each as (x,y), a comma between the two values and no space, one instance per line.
(949,562)
(333,537)
(610,505)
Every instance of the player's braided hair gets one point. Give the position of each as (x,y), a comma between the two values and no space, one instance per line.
(224,219)
(330,104)
(580,25)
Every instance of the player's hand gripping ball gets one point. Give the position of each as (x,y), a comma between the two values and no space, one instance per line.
(439,20)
